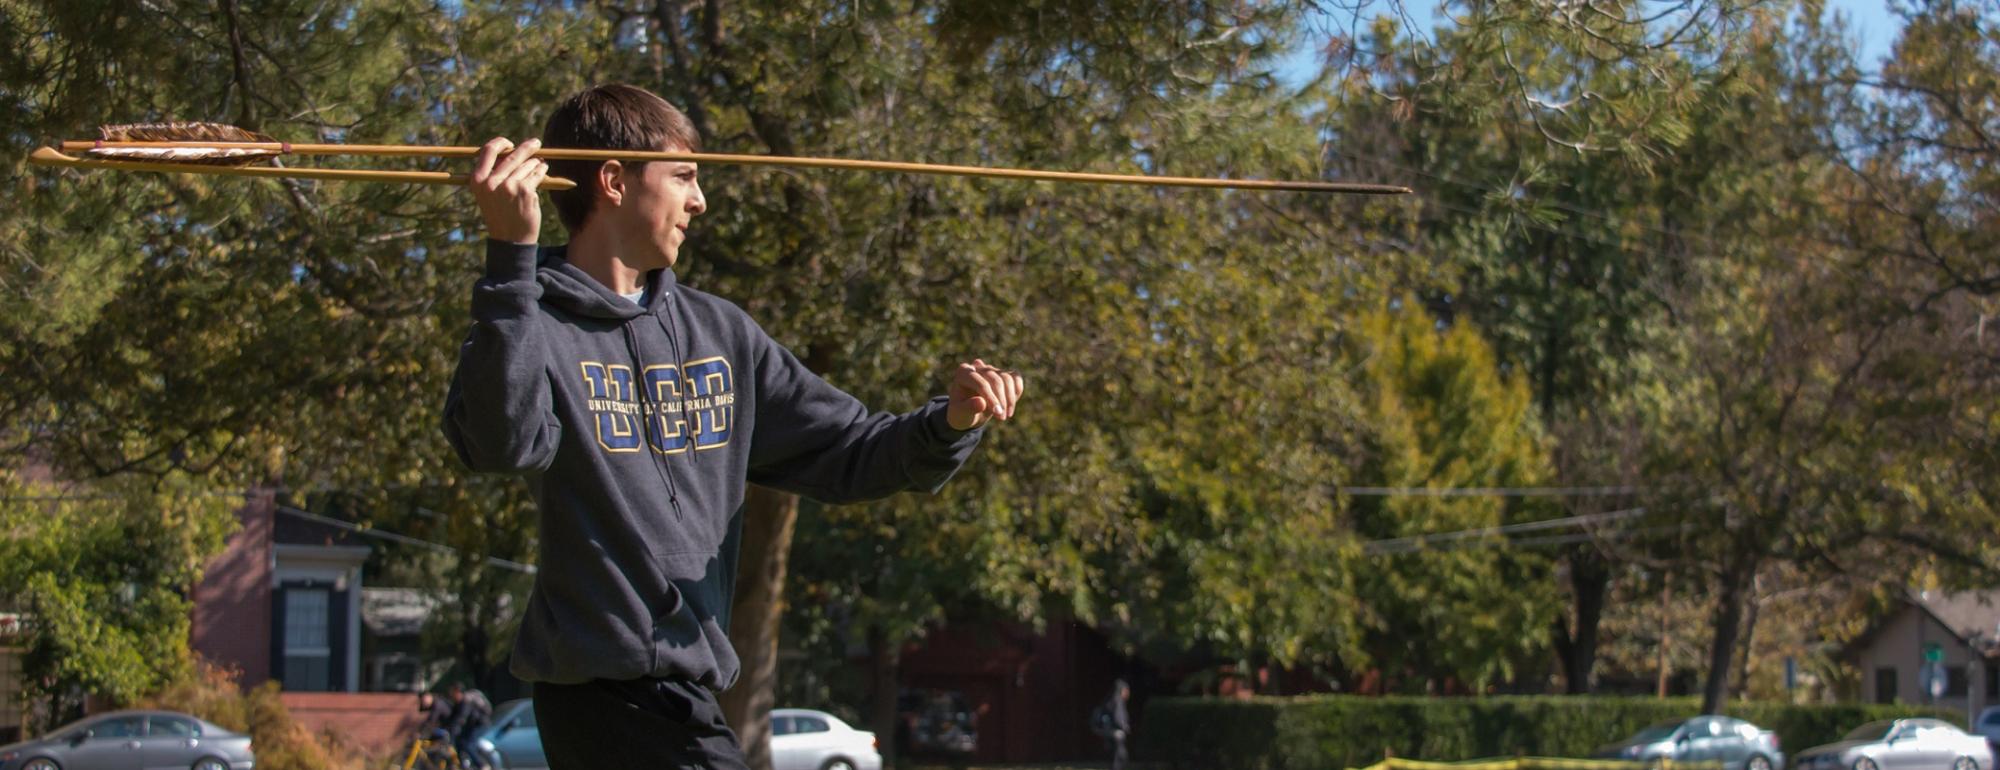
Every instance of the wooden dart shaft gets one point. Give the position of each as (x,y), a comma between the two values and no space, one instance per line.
(772,160)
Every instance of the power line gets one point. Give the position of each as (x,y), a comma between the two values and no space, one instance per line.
(1420,542)
(404,539)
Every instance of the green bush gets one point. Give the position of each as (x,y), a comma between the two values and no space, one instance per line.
(1335,732)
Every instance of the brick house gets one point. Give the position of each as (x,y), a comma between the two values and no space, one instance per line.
(284,601)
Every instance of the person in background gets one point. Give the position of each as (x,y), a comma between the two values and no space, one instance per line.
(469,711)
(1111,720)
(437,717)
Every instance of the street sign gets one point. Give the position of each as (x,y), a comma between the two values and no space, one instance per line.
(1933,652)
(1934,679)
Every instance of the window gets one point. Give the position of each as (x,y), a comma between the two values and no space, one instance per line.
(1992,679)
(1956,685)
(1885,684)
(781,725)
(811,724)
(308,641)
(526,718)
(121,727)
(174,727)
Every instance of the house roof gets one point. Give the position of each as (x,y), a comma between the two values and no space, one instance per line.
(1974,616)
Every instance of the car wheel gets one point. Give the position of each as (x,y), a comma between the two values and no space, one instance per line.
(41,763)
(837,764)
(1761,762)
(1865,763)
(1965,763)
(210,763)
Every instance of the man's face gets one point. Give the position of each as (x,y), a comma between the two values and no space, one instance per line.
(659,199)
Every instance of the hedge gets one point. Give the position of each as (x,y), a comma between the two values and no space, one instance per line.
(1336,732)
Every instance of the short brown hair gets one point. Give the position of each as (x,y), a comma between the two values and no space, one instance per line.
(609,117)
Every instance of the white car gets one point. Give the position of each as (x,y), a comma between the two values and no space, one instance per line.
(802,739)
(1901,744)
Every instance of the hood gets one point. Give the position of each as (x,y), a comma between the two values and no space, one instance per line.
(1623,749)
(1835,748)
(573,290)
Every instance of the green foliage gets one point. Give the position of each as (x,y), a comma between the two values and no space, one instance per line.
(1440,414)
(101,575)
(1337,731)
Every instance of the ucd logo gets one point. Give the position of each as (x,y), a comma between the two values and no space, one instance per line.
(691,405)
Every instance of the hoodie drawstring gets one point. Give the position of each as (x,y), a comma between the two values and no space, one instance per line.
(674,342)
(646,424)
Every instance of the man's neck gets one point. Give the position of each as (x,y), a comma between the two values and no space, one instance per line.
(599,254)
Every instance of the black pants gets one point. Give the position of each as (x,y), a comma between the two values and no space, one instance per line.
(640,724)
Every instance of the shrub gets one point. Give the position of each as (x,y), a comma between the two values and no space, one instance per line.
(279,741)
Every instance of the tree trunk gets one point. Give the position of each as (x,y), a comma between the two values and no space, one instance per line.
(754,615)
(1590,581)
(1666,636)
(884,663)
(1728,624)
(1753,607)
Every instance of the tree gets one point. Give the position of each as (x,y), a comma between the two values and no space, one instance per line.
(102,575)
(1824,397)
(1533,130)
(1462,611)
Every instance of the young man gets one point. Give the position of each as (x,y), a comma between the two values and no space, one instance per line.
(636,408)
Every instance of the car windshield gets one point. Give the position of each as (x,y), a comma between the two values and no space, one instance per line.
(1873,731)
(1657,733)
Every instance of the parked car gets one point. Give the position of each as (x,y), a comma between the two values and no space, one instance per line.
(1988,726)
(132,740)
(1901,744)
(1737,744)
(512,741)
(802,739)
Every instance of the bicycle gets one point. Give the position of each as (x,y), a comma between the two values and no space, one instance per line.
(429,754)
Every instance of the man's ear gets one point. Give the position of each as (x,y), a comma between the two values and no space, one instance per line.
(611,181)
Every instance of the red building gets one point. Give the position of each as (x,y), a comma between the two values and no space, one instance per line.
(283,602)
(1033,692)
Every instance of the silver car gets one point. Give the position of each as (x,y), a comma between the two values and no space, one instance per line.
(512,741)
(1736,744)
(1901,744)
(132,740)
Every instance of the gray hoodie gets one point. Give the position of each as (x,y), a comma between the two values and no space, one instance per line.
(636,429)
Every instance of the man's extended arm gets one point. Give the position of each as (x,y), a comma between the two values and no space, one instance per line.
(816,440)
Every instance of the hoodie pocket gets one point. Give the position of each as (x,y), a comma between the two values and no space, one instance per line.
(688,630)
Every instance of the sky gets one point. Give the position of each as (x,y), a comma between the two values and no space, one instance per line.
(1869,22)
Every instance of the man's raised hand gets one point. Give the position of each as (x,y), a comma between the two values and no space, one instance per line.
(506,189)
(980,392)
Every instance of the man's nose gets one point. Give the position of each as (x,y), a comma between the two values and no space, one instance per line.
(697,203)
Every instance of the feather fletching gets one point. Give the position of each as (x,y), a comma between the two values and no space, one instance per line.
(182,132)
